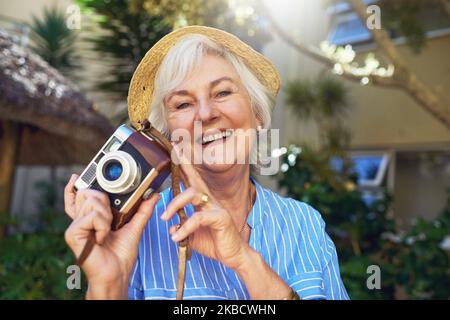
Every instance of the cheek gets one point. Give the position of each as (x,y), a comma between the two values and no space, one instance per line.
(240,113)
(180,121)
(181,127)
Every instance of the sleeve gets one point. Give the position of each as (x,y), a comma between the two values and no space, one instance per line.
(314,270)
(135,290)
(333,285)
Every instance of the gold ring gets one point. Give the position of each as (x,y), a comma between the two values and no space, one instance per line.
(204,198)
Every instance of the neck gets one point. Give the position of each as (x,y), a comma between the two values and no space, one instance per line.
(232,189)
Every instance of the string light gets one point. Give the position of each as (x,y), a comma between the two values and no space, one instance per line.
(344,63)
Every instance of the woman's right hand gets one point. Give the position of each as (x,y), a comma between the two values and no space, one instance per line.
(109,265)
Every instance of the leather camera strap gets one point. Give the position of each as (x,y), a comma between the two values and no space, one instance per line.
(184,252)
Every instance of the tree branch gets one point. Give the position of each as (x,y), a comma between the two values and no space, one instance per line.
(446,5)
(315,54)
(408,81)
(403,77)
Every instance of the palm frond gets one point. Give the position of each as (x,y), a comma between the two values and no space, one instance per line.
(54,41)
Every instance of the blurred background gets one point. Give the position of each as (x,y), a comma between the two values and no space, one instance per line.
(363,113)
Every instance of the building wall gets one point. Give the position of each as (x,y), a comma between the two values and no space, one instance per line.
(391,117)
(420,191)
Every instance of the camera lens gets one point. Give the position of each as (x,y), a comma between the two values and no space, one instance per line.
(112,170)
(117,172)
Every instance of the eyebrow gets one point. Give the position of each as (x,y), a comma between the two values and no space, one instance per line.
(212,84)
(217,81)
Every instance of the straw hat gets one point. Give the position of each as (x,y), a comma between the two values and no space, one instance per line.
(141,86)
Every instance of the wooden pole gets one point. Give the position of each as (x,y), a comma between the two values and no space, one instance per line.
(9,146)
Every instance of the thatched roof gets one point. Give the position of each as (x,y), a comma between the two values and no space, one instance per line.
(36,95)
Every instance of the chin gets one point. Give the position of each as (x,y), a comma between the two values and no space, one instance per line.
(217,168)
(220,167)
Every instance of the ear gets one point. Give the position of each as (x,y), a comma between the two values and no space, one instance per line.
(259,123)
(257,118)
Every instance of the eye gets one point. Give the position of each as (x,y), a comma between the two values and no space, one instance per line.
(224,93)
(182,105)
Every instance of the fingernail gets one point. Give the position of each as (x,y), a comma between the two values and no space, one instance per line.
(163,216)
(176,236)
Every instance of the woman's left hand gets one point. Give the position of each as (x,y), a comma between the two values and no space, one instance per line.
(210,229)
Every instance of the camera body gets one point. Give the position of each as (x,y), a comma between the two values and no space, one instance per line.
(128,168)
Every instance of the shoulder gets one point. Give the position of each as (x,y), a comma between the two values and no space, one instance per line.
(297,230)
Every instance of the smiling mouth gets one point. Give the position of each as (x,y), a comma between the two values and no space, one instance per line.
(209,138)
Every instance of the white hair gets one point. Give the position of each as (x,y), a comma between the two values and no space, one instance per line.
(181,61)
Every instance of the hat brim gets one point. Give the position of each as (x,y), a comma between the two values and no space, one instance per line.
(141,86)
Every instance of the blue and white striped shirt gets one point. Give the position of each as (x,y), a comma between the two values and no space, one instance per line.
(290,236)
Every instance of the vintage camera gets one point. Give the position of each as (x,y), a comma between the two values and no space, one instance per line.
(130,166)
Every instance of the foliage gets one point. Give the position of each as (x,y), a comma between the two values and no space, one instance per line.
(325,101)
(407,18)
(130,27)
(365,234)
(423,267)
(241,19)
(322,98)
(355,226)
(33,265)
(124,38)
(402,18)
(54,42)
(412,265)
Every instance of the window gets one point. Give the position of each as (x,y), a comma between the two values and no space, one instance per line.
(371,169)
(347,28)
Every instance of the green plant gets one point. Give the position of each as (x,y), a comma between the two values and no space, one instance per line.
(423,266)
(54,41)
(324,101)
(33,265)
(123,39)
(355,226)
(319,99)
(412,265)
(238,17)
(365,234)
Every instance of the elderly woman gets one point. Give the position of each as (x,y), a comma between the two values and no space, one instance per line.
(247,241)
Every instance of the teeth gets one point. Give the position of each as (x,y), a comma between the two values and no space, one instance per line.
(212,137)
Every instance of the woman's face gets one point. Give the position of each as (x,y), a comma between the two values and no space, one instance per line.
(213,96)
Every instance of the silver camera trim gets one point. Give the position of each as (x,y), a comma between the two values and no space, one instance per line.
(122,133)
(129,178)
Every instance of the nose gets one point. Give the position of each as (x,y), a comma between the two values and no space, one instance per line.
(206,110)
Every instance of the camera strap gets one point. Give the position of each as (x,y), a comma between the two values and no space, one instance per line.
(184,251)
